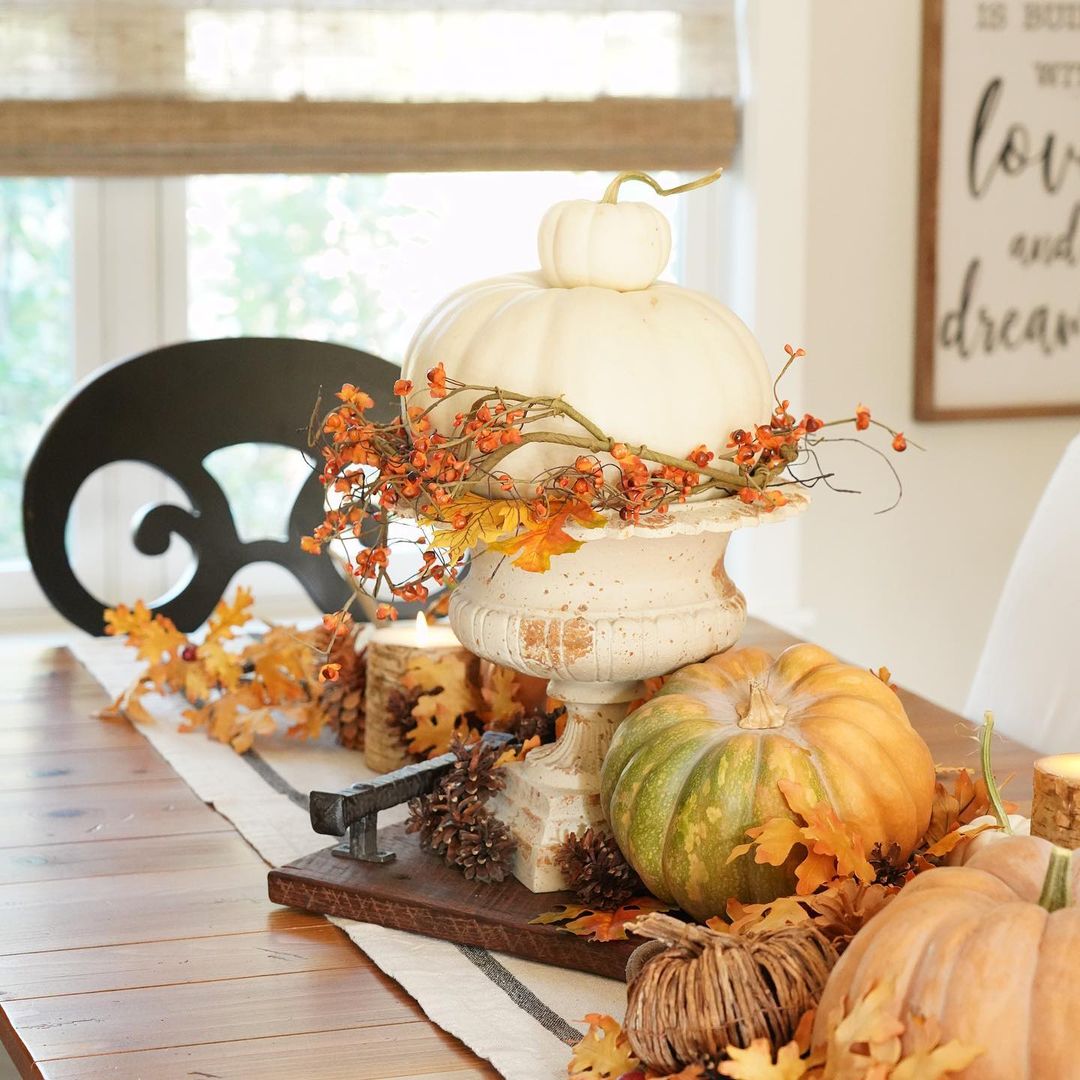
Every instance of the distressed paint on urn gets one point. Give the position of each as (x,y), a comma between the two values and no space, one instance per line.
(633,602)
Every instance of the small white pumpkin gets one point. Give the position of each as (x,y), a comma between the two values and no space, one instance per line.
(648,362)
(621,246)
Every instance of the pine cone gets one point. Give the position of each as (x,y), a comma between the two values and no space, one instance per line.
(485,849)
(596,871)
(342,701)
(455,821)
(399,707)
(843,910)
(891,868)
(425,815)
(536,722)
(474,774)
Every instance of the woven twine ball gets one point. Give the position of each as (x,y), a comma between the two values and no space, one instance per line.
(705,990)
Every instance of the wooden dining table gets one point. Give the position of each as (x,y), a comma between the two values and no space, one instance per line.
(136,939)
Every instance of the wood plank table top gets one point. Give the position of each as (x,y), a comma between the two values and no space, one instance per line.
(136,939)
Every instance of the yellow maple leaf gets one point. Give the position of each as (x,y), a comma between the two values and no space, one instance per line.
(534,548)
(603,1053)
(755,1062)
(486,520)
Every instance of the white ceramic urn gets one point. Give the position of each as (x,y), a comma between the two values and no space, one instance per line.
(648,363)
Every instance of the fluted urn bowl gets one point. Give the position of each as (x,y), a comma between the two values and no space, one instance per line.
(635,601)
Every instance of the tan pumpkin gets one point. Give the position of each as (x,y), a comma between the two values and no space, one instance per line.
(989,950)
(697,765)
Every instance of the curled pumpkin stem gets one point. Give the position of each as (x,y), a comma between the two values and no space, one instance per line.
(611,195)
(988,773)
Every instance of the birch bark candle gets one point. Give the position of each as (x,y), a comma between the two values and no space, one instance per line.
(1055,806)
(391,651)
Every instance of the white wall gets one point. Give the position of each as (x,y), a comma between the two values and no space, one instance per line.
(915,588)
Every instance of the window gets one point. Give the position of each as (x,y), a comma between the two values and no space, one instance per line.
(361,259)
(35,330)
(354,259)
(179,168)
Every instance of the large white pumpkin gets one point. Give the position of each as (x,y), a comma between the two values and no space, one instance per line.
(646,361)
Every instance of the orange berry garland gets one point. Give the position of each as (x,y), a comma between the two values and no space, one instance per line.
(453,481)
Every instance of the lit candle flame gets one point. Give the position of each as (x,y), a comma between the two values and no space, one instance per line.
(423,634)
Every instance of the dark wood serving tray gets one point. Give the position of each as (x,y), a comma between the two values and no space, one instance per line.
(419,893)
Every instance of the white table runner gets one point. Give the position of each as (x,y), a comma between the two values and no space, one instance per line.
(520,1015)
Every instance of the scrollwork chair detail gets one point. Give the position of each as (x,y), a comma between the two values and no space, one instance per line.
(170,408)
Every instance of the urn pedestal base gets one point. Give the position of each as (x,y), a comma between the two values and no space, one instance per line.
(633,602)
(556,790)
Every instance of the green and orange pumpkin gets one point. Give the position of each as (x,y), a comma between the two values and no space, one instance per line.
(697,765)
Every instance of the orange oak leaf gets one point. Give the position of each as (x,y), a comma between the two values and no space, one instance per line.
(867,1036)
(534,548)
(439,713)
(773,841)
(930,1059)
(229,616)
(284,664)
(832,848)
(500,698)
(447,679)
(750,918)
(131,705)
(510,754)
(152,636)
(826,835)
(603,1053)
(435,728)
(958,836)
(597,925)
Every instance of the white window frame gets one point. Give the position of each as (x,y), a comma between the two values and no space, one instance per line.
(129,288)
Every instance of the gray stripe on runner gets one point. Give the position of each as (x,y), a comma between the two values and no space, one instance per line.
(275,779)
(505,980)
(521,995)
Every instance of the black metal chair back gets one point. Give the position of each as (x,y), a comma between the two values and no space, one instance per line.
(169,409)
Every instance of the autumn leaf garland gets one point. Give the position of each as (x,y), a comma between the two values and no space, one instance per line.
(452,478)
(236,689)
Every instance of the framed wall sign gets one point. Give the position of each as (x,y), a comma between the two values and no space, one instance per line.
(998,290)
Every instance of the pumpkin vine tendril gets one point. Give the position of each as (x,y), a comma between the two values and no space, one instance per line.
(992,790)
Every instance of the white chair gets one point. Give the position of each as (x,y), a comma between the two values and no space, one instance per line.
(1029,668)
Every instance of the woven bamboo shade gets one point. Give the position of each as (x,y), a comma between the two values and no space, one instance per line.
(160,86)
